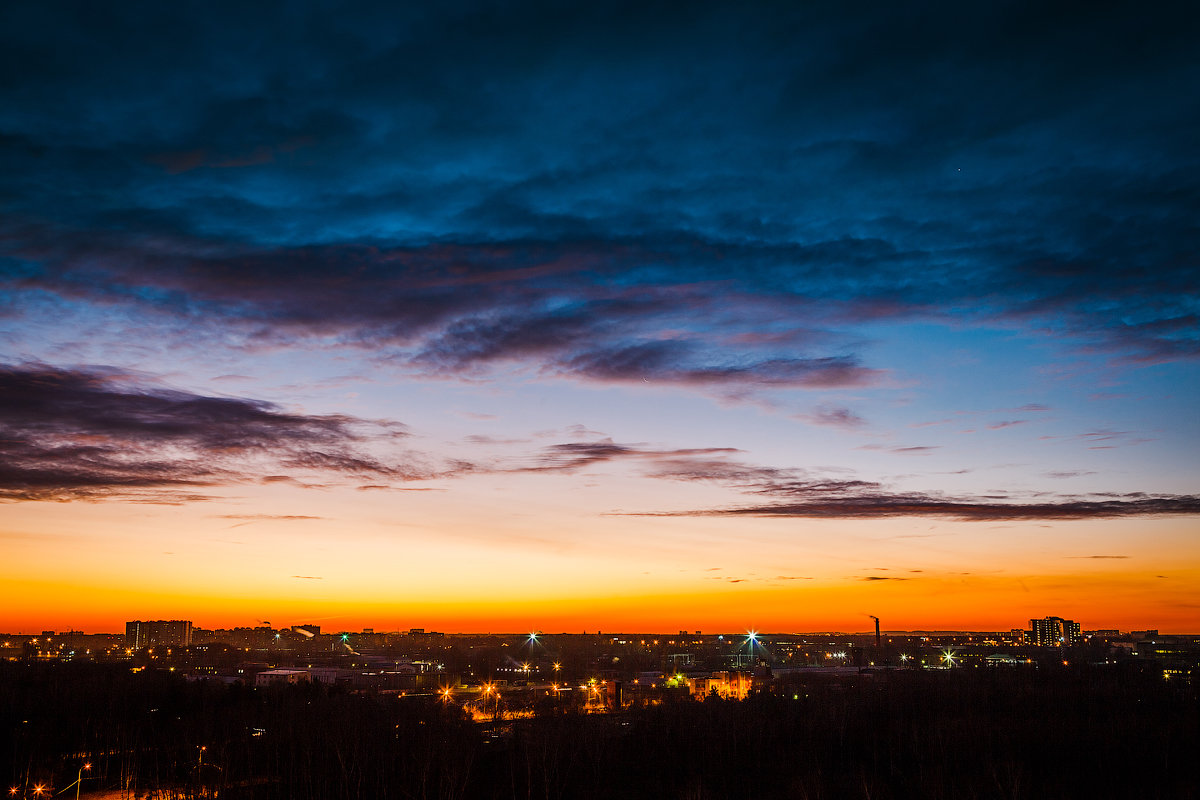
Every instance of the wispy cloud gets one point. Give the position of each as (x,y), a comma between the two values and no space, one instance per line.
(880,506)
(834,417)
(902,450)
(570,456)
(806,494)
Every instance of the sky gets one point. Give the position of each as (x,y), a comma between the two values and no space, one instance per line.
(558,316)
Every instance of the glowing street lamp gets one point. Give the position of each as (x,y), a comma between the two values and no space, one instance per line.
(87,765)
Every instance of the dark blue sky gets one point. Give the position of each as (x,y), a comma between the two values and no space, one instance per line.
(1029,160)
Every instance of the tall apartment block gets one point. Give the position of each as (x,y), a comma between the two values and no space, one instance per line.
(151,633)
(1053,631)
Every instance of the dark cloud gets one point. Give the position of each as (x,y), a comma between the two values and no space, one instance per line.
(678,362)
(570,456)
(805,494)
(68,434)
(880,506)
(1098,556)
(469,185)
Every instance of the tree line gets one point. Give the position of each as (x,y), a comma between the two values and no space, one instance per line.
(1079,732)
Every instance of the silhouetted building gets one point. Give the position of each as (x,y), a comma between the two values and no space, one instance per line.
(1179,656)
(1053,631)
(151,633)
(270,676)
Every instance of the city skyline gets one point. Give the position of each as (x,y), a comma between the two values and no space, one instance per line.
(471,318)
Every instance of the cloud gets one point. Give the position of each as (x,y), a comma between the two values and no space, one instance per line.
(800,493)
(913,450)
(88,434)
(882,506)
(522,204)
(570,456)
(834,417)
(483,439)
(676,362)
(309,577)
(1097,556)
(995,426)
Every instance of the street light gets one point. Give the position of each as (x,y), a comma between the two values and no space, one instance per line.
(87,765)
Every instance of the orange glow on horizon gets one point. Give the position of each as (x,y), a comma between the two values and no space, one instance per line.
(1113,600)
